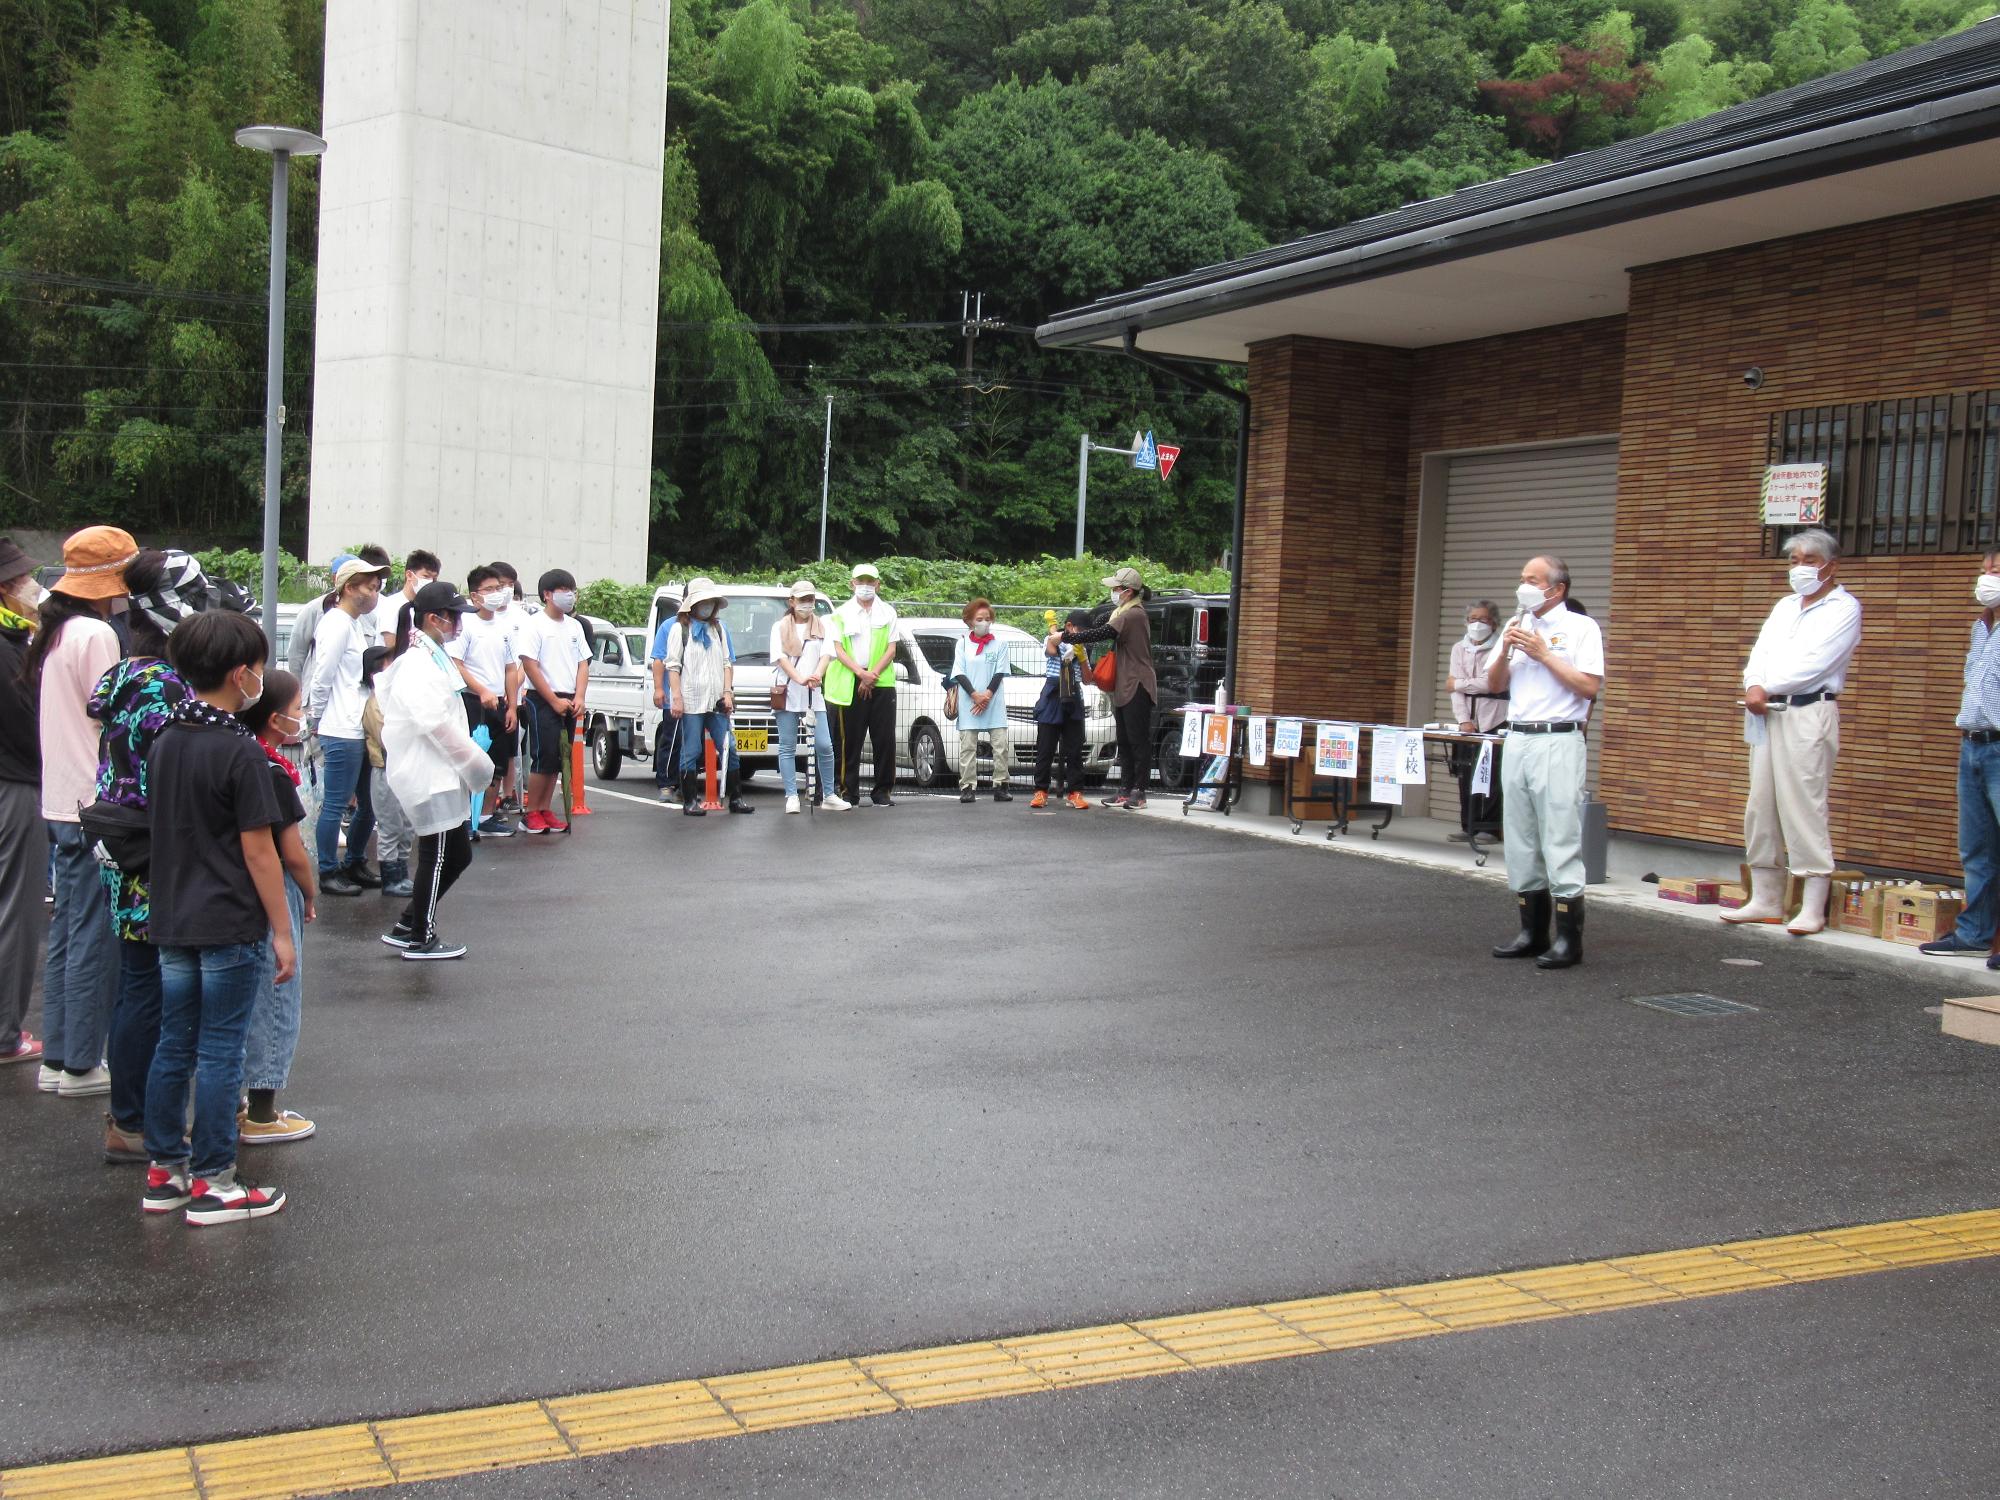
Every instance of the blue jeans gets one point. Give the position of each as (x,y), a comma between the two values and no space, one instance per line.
(80,979)
(788,739)
(345,774)
(205,1000)
(135,1031)
(1978,840)
(274,1015)
(712,726)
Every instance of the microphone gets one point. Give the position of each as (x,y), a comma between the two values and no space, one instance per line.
(1499,647)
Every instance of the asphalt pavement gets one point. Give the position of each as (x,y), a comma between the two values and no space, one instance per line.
(734,1093)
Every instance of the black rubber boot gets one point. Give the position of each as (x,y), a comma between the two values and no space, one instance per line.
(738,803)
(1533,940)
(692,792)
(1567,950)
(1000,792)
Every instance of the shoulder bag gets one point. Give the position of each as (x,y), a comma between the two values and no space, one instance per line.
(1105,674)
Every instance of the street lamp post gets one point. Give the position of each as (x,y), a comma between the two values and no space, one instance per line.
(281,143)
(1084,448)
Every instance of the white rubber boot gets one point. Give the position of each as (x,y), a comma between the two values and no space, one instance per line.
(1812,913)
(1767,898)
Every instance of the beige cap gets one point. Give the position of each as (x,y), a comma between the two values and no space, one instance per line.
(355,568)
(1125,578)
(804,589)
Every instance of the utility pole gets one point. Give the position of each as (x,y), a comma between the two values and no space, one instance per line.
(1084,448)
(825,472)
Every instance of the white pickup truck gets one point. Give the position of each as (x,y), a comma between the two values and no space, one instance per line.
(618,706)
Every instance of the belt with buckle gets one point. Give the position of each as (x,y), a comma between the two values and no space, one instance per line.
(1801,700)
(1558,726)
(1982,736)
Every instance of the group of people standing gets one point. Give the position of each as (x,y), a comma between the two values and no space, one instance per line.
(137,697)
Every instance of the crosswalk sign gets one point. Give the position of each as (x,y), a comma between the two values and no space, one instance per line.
(1145,454)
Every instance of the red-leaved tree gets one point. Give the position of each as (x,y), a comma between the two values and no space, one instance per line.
(1591,83)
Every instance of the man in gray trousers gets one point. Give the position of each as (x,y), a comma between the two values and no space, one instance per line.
(1551,664)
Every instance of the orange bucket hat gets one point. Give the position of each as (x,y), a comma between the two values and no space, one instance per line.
(94,563)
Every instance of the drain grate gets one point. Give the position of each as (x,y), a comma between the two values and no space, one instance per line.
(1692,1004)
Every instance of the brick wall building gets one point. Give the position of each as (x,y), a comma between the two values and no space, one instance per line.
(1842,239)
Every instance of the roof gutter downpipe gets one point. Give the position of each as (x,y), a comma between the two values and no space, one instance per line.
(1214,387)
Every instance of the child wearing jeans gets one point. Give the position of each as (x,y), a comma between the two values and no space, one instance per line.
(218,910)
(278,719)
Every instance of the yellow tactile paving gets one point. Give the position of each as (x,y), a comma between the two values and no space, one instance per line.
(801,1394)
(645,1417)
(362,1456)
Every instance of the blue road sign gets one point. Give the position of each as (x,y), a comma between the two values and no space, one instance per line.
(1148,456)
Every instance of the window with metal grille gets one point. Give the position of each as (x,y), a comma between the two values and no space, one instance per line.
(1915,475)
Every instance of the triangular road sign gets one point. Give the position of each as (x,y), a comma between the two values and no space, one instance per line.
(1168,455)
(1146,456)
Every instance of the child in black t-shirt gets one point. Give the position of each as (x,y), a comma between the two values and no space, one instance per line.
(219,915)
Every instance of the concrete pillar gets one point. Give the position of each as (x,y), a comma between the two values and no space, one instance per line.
(489,256)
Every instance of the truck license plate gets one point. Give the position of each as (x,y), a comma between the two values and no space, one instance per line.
(753,741)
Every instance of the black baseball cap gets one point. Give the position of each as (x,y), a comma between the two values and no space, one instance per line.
(439,598)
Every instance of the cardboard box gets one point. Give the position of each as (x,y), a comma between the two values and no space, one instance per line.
(1919,914)
(1976,1019)
(1852,909)
(1731,896)
(1694,892)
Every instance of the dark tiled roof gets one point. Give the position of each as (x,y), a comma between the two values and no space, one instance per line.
(1942,69)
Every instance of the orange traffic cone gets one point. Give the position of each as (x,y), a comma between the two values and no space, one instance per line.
(577,808)
(711,802)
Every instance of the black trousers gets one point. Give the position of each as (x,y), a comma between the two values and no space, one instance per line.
(1486,808)
(667,752)
(1135,742)
(874,716)
(441,859)
(1069,735)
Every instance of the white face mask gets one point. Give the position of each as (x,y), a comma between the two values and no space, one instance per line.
(865,592)
(255,693)
(563,599)
(1477,631)
(1530,597)
(803,608)
(496,601)
(1987,590)
(31,593)
(1804,578)
(982,627)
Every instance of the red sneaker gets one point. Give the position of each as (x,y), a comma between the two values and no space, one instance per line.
(535,822)
(552,824)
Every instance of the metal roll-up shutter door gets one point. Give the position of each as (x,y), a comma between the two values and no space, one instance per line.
(1500,510)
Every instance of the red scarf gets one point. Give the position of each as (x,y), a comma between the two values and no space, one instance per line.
(980,643)
(271,754)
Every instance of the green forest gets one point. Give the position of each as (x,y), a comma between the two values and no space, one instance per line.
(826,163)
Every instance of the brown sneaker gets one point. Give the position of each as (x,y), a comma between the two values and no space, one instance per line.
(287,1127)
(123,1147)
(1040,799)
(1076,800)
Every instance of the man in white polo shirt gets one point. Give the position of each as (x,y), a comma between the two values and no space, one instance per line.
(1551,666)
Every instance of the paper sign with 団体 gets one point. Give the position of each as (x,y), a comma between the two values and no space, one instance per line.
(1793,495)
(1215,729)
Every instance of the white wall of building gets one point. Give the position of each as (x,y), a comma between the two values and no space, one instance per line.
(489,258)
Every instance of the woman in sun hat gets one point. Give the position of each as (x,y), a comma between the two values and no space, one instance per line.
(701,684)
(1136,688)
(799,655)
(74,648)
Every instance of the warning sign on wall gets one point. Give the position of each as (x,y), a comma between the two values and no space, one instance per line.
(1793,495)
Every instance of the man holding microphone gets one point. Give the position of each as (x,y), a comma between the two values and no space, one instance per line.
(1550,663)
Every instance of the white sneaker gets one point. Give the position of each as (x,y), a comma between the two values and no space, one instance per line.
(834,802)
(48,1079)
(83,1085)
(792,803)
